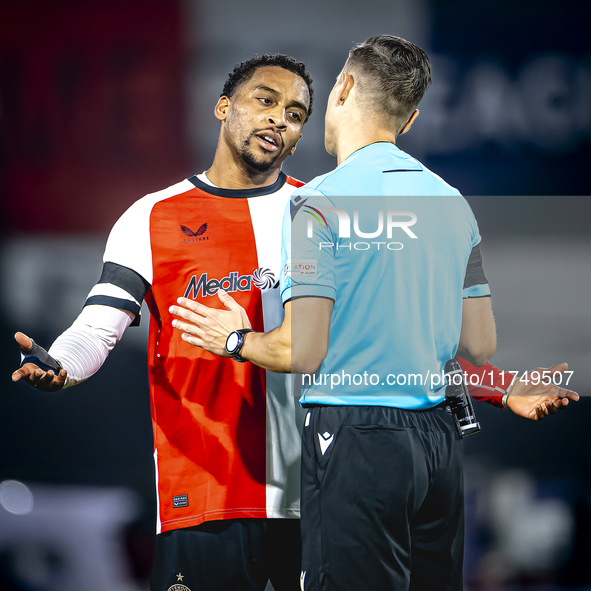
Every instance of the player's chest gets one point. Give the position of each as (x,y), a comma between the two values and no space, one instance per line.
(221,244)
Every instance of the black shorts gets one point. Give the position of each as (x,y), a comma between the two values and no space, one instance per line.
(229,555)
(382,500)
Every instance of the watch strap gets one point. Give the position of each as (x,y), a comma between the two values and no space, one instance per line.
(236,353)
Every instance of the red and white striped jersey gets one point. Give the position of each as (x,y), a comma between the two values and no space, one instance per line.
(226,434)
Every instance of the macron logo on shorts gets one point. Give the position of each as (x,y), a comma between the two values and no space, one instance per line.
(302,579)
(325,440)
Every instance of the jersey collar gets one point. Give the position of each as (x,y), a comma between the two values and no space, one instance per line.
(240,193)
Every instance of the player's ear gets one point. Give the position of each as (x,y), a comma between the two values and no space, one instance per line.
(292,151)
(347,83)
(222,108)
(409,123)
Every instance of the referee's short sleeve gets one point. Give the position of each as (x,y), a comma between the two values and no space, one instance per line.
(475,282)
(308,248)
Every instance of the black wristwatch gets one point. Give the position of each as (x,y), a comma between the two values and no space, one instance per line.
(235,342)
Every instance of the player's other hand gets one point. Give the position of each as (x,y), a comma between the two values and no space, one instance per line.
(209,328)
(45,381)
(534,396)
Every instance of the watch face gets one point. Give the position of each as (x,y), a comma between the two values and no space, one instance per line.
(232,342)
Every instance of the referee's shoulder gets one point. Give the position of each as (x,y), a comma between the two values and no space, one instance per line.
(444,188)
(334,182)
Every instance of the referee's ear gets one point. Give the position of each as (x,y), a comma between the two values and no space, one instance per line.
(409,123)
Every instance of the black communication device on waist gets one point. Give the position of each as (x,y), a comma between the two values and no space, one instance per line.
(457,400)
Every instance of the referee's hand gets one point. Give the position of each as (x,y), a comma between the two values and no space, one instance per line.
(206,327)
(32,374)
(534,396)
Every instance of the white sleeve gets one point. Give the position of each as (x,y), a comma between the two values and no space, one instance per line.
(114,302)
(83,348)
(129,243)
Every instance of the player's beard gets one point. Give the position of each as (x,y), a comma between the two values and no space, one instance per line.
(248,157)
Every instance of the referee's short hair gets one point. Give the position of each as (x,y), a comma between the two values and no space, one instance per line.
(391,75)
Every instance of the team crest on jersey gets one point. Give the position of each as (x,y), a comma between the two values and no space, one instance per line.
(177,586)
(203,286)
(195,236)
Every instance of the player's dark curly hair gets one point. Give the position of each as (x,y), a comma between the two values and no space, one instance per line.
(392,75)
(243,72)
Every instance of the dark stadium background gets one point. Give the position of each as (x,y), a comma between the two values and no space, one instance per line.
(104,101)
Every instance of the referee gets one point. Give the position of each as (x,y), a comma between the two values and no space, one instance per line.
(382,487)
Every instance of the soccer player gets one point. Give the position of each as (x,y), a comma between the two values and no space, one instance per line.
(226,435)
(382,496)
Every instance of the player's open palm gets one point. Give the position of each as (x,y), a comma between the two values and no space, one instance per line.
(534,396)
(45,380)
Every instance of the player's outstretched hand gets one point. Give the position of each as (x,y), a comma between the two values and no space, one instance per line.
(209,328)
(45,381)
(534,396)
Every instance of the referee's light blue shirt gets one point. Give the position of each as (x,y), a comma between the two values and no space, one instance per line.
(389,242)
